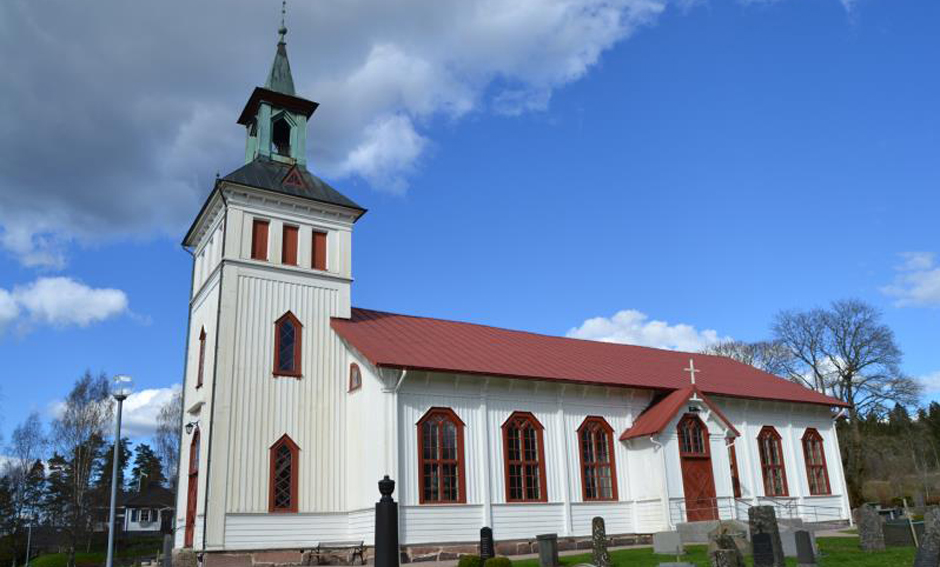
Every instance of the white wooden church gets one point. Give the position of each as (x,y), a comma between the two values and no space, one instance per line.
(297,403)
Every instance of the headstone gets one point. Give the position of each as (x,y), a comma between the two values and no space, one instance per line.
(726,558)
(871,536)
(765,537)
(728,533)
(898,533)
(487,547)
(928,553)
(548,550)
(667,543)
(805,554)
(599,540)
(387,552)
(788,540)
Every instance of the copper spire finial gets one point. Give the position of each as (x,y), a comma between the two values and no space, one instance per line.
(283,29)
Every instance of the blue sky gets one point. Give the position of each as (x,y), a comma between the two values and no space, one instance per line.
(702,165)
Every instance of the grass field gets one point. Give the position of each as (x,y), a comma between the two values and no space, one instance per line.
(835,551)
(140,548)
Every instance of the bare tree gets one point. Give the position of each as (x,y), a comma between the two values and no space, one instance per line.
(846,351)
(169,432)
(78,432)
(769,356)
(27,445)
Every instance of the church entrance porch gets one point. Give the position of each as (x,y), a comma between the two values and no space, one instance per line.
(698,479)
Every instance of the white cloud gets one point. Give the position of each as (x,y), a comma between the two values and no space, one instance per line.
(139,131)
(635,328)
(931,383)
(60,302)
(917,283)
(139,415)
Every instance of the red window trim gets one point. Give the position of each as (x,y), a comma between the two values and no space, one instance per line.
(294,468)
(594,420)
(298,336)
(202,357)
(735,473)
(289,244)
(354,368)
(318,250)
(259,249)
(811,434)
(539,429)
(771,432)
(461,466)
(706,445)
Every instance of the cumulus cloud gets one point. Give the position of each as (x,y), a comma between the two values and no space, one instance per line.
(931,382)
(59,302)
(119,113)
(139,415)
(635,328)
(917,283)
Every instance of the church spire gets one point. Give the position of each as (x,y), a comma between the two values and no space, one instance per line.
(280,79)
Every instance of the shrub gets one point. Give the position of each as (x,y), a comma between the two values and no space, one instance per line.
(498,562)
(469,561)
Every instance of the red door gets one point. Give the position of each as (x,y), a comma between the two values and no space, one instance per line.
(698,481)
(192,489)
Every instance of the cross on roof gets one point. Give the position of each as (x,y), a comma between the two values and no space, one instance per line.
(692,370)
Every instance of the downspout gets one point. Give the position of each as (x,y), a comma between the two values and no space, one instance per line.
(665,487)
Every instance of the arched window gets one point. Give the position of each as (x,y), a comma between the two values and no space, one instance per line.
(283,492)
(815,457)
(202,356)
(598,469)
(693,437)
(287,339)
(525,459)
(770,448)
(192,490)
(441,458)
(355,377)
(280,136)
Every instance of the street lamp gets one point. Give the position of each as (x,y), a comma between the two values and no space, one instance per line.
(120,389)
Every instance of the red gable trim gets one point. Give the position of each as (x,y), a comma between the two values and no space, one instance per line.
(657,416)
(419,343)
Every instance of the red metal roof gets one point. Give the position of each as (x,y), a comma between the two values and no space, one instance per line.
(420,343)
(659,414)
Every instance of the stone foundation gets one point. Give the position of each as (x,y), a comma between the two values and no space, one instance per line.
(409,553)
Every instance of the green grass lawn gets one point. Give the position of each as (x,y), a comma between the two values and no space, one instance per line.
(139,548)
(836,552)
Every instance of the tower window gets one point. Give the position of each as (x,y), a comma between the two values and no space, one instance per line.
(202,357)
(280,137)
(319,250)
(259,240)
(283,481)
(355,377)
(287,338)
(289,246)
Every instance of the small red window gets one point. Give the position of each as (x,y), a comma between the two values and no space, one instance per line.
(771,461)
(202,357)
(284,457)
(319,251)
(355,377)
(287,341)
(259,240)
(816,471)
(289,246)
(693,437)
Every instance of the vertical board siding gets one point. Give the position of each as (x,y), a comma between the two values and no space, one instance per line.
(618,517)
(525,521)
(264,407)
(283,531)
(439,524)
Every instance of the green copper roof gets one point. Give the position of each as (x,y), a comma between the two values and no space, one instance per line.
(280,79)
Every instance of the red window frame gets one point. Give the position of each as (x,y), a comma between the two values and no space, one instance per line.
(274,454)
(318,259)
(259,239)
(298,336)
(735,475)
(814,455)
(774,470)
(522,422)
(431,457)
(289,245)
(593,434)
(355,377)
(693,437)
(202,357)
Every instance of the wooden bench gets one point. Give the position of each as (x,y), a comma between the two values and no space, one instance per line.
(354,548)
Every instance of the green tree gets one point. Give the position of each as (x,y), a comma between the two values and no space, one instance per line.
(104,465)
(147,468)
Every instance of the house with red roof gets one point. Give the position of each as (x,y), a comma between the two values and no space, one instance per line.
(297,403)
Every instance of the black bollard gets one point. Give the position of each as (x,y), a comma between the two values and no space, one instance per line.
(487,548)
(387,553)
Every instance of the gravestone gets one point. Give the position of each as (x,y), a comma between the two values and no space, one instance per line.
(928,553)
(736,533)
(667,543)
(805,554)
(765,537)
(898,533)
(548,550)
(788,540)
(871,535)
(599,540)
(726,558)
(487,548)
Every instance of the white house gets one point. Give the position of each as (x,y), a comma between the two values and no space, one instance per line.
(297,403)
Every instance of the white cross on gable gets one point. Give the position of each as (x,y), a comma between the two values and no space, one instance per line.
(692,370)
